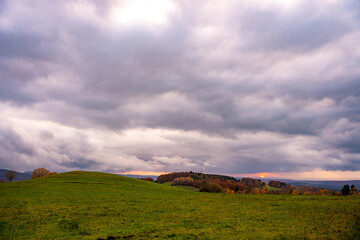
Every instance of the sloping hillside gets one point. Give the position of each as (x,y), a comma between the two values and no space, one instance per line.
(90,205)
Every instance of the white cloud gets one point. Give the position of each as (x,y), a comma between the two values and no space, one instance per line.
(142,13)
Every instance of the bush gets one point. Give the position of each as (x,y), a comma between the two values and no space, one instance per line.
(229,191)
(255,190)
(211,187)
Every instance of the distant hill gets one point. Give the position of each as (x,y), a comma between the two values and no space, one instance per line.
(335,185)
(19,176)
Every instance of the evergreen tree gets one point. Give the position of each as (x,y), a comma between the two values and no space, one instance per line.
(345,190)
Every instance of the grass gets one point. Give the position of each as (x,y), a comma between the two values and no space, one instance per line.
(191,188)
(273,188)
(90,205)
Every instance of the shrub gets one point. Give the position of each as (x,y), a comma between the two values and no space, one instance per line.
(229,191)
(323,192)
(40,172)
(255,190)
(211,187)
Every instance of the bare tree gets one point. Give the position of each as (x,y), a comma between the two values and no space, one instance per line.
(10,175)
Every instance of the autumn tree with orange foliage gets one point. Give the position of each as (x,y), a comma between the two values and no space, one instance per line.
(323,192)
(40,172)
(296,191)
(353,190)
(184,181)
(237,187)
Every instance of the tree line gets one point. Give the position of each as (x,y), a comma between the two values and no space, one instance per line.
(226,184)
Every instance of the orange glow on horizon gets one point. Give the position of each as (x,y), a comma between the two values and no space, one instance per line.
(317,174)
(257,175)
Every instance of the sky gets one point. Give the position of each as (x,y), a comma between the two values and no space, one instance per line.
(245,88)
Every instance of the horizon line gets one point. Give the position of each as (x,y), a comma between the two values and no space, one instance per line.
(321,175)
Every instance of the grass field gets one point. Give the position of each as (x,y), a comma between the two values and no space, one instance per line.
(274,188)
(89,205)
(191,188)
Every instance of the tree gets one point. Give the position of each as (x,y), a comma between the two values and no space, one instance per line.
(345,190)
(184,181)
(296,191)
(40,172)
(353,190)
(10,175)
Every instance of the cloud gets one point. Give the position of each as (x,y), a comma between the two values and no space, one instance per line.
(256,86)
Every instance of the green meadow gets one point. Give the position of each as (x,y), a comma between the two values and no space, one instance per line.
(91,205)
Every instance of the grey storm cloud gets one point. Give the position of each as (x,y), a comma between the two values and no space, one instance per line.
(237,87)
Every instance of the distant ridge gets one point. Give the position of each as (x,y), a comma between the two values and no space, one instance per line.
(335,185)
(19,176)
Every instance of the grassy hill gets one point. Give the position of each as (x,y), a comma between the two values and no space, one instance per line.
(90,205)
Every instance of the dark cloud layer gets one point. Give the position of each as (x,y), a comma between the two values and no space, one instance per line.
(238,87)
